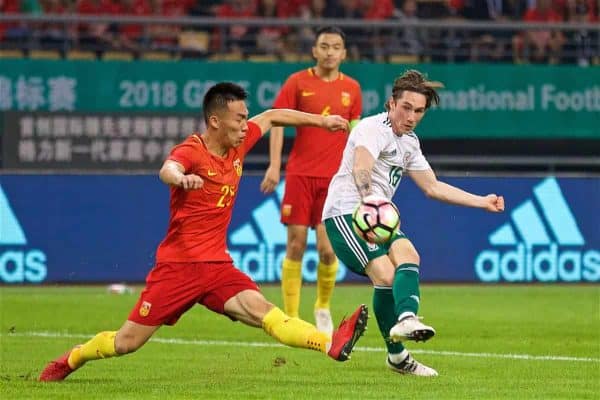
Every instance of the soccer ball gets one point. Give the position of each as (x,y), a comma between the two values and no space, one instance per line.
(376,219)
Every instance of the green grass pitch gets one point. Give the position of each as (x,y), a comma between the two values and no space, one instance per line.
(492,342)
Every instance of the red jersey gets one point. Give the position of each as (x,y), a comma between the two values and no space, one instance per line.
(199,218)
(316,151)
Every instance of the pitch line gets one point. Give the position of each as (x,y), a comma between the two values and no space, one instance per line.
(358,348)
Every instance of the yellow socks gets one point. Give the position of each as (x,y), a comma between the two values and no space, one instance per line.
(294,332)
(291,282)
(100,346)
(325,282)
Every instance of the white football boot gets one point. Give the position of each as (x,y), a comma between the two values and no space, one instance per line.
(410,366)
(411,328)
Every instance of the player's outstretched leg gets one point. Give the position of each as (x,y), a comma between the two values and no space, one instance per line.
(410,366)
(348,333)
(100,346)
(295,332)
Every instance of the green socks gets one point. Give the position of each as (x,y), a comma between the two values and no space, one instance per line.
(383,306)
(406,289)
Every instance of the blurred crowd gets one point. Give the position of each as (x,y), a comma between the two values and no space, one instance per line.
(369,42)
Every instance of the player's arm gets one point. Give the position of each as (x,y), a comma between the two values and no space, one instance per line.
(361,170)
(428,183)
(272,175)
(285,117)
(173,173)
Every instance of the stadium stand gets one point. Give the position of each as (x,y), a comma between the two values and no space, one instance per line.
(520,31)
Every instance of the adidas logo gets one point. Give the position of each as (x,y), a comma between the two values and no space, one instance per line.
(257,247)
(17,263)
(541,243)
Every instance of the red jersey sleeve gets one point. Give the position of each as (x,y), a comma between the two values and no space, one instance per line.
(183,154)
(254,133)
(287,95)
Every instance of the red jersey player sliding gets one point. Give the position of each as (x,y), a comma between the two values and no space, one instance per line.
(192,263)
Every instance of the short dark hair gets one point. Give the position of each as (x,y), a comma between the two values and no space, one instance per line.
(217,97)
(414,81)
(330,29)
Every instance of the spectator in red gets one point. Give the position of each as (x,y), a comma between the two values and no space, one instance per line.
(594,11)
(540,45)
(97,35)
(7,7)
(376,9)
(236,39)
(130,35)
(377,39)
(269,39)
(165,37)
(292,8)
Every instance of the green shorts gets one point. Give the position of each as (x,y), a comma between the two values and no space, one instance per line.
(353,251)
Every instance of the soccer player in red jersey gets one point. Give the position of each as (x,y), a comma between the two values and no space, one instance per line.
(192,263)
(314,159)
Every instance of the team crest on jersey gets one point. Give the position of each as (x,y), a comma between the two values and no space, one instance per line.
(237,165)
(286,210)
(406,158)
(345,99)
(145,309)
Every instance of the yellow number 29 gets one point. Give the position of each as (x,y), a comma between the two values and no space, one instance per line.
(227,196)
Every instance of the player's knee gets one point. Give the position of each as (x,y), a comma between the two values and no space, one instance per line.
(326,255)
(403,252)
(295,248)
(255,305)
(386,278)
(383,280)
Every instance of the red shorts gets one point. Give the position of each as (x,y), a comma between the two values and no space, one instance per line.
(173,288)
(303,200)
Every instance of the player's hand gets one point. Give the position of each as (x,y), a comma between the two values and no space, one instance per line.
(336,123)
(270,181)
(191,182)
(494,203)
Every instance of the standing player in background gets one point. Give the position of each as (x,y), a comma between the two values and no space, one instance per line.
(380,149)
(192,262)
(314,158)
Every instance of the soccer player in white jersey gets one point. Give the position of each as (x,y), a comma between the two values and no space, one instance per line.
(380,149)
